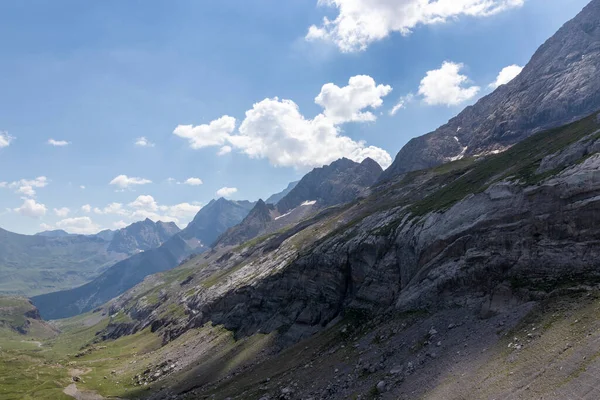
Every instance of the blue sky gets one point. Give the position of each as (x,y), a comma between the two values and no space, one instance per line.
(236,81)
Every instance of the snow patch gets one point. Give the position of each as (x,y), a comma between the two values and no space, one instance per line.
(284,215)
(309,203)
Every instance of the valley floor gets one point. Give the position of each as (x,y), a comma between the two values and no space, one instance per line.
(548,349)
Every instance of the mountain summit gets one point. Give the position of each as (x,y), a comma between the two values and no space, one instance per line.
(559,85)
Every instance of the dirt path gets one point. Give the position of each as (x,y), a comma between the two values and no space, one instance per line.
(38,344)
(77,394)
(73,391)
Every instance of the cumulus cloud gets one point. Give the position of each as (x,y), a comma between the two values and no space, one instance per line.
(46,227)
(144,202)
(30,208)
(79,225)
(404,100)
(362,22)
(224,150)
(112,208)
(58,143)
(226,192)
(119,224)
(346,104)
(193,182)
(86,208)
(184,210)
(124,182)
(213,134)
(506,75)
(143,142)
(276,129)
(27,187)
(5,139)
(446,86)
(62,212)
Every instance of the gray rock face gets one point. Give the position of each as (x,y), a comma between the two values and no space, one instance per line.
(253,225)
(559,85)
(342,181)
(387,252)
(142,236)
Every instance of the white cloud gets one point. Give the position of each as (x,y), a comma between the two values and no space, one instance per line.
(5,139)
(58,143)
(506,75)
(193,182)
(143,142)
(62,212)
(27,187)
(124,182)
(120,224)
(30,208)
(446,86)
(362,22)
(347,104)
(79,225)
(404,100)
(144,202)
(110,209)
(86,208)
(226,192)
(46,227)
(276,130)
(82,187)
(224,150)
(184,210)
(214,134)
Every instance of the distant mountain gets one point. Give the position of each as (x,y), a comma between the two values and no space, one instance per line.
(142,236)
(36,264)
(54,233)
(559,85)
(342,181)
(254,224)
(56,260)
(106,234)
(274,199)
(210,222)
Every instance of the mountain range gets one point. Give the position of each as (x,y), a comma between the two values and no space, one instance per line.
(207,225)
(468,269)
(50,261)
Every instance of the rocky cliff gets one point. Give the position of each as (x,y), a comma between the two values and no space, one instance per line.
(341,181)
(142,236)
(557,86)
(460,232)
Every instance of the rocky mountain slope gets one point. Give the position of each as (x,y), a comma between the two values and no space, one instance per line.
(274,199)
(494,236)
(19,317)
(142,236)
(211,221)
(557,86)
(340,182)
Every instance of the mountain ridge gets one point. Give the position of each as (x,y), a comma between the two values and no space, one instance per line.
(557,86)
